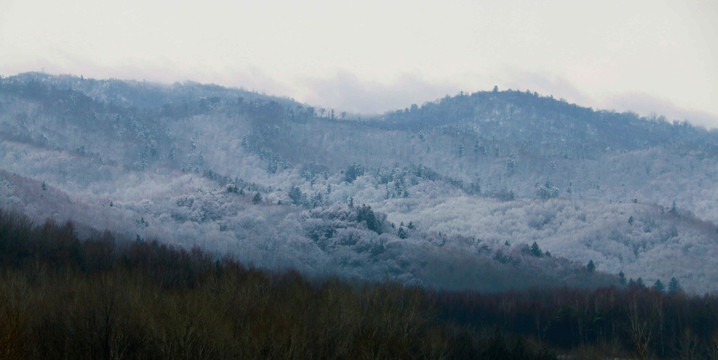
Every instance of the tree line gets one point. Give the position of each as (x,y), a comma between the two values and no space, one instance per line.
(103,297)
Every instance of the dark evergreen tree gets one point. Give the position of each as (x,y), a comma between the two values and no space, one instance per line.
(674,287)
(591,267)
(658,286)
(402,233)
(365,214)
(352,172)
(674,210)
(535,250)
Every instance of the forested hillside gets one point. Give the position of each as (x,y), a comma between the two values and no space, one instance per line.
(449,194)
(105,297)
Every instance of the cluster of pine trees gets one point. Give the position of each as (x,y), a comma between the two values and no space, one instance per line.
(101,297)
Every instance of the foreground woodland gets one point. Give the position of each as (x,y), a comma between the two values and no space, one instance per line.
(107,298)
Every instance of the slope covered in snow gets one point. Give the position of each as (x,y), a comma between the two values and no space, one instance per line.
(479,177)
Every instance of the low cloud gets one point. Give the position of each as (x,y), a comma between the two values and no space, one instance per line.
(555,86)
(347,93)
(644,104)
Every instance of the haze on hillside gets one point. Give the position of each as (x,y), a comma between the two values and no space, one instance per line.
(373,56)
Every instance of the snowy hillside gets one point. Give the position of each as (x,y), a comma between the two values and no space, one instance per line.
(450,194)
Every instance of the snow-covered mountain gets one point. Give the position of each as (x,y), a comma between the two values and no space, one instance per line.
(449,194)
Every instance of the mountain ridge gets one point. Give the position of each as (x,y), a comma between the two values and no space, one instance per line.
(509,166)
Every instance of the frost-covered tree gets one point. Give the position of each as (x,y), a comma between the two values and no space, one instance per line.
(317,200)
(296,195)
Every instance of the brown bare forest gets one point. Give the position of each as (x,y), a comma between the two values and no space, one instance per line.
(104,298)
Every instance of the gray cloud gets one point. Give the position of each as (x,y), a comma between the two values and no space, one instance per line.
(644,104)
(555,86)
(346,92)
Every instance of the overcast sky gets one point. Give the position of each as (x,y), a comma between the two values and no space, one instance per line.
(371,56)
